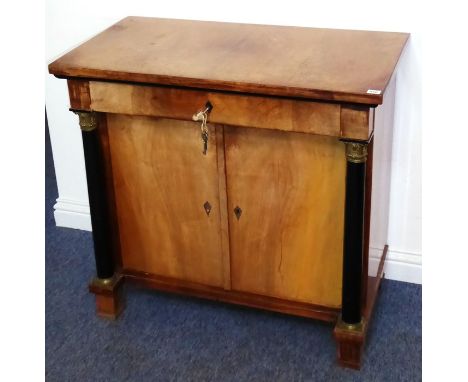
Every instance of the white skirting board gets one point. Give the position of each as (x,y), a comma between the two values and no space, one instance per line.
(399,265)
(72,214)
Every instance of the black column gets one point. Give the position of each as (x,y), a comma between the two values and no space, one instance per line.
(356,154)
(95,176)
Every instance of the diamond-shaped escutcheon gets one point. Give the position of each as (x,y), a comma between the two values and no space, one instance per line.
(207,207)
(238,212)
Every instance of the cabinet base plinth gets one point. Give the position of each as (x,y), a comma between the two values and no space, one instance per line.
(351,338)
(109,297)
(350,343)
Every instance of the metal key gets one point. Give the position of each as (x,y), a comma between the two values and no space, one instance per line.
(203,117)
(204,132)
(204,136)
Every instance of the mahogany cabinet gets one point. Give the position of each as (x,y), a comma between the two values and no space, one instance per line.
(239,163)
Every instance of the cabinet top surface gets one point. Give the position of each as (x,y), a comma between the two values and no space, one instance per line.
(326,64)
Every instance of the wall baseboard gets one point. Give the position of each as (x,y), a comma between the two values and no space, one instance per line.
(72,214)
(399,266)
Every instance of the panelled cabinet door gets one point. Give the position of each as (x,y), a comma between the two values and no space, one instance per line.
(167,198)
(286,211)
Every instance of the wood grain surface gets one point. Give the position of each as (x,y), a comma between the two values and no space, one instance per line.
(328,64)
(288,242)
(223,211)
(79,95)
(161,182)
(357,122)
(228,108)
(231,296)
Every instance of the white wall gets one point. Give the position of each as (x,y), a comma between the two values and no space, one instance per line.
(68,23)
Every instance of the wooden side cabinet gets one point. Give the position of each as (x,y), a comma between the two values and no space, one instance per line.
(239,163)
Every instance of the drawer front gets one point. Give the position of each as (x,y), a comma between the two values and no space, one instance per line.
(229,109)
(330,119)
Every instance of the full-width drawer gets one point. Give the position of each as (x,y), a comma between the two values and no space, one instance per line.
(322,118)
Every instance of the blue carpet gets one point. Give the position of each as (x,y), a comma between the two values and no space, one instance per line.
(161,337)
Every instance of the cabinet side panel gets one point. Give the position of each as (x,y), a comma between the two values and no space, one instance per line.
(288,239)
(381,176)
(162,182)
